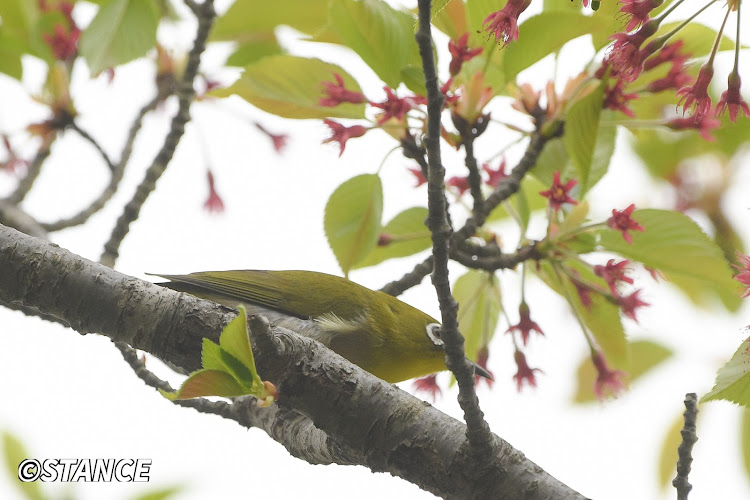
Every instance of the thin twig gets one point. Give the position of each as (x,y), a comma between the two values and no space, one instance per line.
(477,432)
(410,279)
(684,452)
(480,257)
(117,174)
(185,94)
(32,173)
(475,178)
(85,135)
(495,262)
(130,356)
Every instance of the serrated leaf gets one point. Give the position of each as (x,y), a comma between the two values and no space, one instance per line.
(409,236)
(542,35)
(644,356)
(437,7)
(602,318)
(14,453)
(733,379)
(234,341)
(228,368)
(668,453)
(207,383)
(123,30)
(676,246)
(581,133)
(479,306)
(291,86)
(352,219)
(604,148)
(382,36)
(245,18)
(211,356)
(451,19)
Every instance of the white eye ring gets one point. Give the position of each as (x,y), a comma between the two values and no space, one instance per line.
(433,332)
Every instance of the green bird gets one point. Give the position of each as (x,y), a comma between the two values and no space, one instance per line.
(390,339)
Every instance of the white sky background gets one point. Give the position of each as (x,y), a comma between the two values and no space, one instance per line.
(72,396)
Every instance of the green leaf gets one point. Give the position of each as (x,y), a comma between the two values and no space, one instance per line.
(409,236)
(698,39)
(602,318)
(476,12)
(382,36)
(245,18)
(644,355)
(451,20)
(575,217)
(581,132)
(122,30)
(11,50)
(19,18)
(733,379)
(661,154)
(542,35)
(234,340)
(254,50)
(479,305)
(211,356)
(291,86)
(14,453)
(604,148)
(668,454)
(676,246)
(207,383)
(352,219)
(228,368)
(610,20)
(553,157)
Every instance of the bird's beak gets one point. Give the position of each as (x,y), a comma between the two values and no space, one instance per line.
(481,372)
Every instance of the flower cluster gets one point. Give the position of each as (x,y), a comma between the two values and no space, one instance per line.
(634,52)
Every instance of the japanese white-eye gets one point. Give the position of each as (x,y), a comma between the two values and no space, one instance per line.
(388,338)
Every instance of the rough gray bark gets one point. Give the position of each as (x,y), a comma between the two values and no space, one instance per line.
(341,413)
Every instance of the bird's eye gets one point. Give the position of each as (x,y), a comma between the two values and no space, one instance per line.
(433,332)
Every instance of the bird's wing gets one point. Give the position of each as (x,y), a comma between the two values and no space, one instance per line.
(298,293)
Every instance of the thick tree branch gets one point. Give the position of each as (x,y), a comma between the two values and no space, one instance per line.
(359,416)
(185,92)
